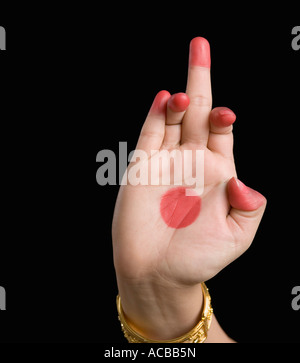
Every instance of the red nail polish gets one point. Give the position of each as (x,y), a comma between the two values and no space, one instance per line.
(223,117)
(226,111)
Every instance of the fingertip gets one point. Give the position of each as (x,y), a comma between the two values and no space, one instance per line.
(179,102)
(200,52)
(159,104)
(242,197)
(227,116)
(199,41)
(222,117)
(163,93)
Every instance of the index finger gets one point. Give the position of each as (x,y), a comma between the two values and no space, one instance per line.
(195,127)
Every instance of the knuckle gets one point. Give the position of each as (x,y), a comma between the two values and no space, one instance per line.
(201,101)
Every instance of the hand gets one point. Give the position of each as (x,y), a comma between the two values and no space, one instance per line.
(147,251)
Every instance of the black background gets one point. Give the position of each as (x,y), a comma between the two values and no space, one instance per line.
(72,86)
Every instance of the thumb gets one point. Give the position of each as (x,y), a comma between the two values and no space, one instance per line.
(247,209)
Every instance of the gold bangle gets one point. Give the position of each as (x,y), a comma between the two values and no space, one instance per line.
(197,335)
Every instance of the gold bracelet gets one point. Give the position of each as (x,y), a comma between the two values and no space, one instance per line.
(197,335)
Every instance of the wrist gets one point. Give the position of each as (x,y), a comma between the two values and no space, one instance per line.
(159,310)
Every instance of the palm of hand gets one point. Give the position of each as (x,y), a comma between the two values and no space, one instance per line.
(186,255)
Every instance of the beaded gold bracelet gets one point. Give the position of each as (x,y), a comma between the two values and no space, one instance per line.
(197,335)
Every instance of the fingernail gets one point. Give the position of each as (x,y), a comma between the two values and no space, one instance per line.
(226,111)
(228,117)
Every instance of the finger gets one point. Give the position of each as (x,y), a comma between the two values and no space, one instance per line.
(247,208)
(220,137)
(153,130)
(195,126)
(177,105)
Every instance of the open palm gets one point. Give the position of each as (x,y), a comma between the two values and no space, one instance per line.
(144,244)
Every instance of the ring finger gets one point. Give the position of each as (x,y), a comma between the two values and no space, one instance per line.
(176,108)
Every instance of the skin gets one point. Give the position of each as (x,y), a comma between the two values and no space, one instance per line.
(159,269)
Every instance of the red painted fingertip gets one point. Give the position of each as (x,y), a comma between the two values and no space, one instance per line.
(159,104)
(222,117)
(179,102)
(199,52)
(242,197)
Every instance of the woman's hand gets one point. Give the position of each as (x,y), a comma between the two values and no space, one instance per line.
(164,246)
